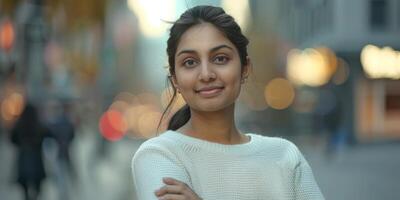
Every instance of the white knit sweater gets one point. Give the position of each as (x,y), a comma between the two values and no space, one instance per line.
(264,168)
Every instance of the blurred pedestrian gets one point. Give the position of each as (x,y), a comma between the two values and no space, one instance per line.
(27,135)
(63,131)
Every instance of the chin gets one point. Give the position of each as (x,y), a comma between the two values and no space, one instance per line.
(212,107)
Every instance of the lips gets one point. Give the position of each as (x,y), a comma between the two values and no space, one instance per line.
(210,91)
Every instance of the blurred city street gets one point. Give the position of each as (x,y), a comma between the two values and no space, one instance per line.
(84,83)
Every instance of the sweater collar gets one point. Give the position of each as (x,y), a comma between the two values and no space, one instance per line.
(243,148)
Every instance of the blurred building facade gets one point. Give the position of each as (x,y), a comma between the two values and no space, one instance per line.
(363,34)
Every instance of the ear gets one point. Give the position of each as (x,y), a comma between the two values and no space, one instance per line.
(174,81)
(247,69)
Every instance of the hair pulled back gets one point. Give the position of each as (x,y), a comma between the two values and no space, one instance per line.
(191,17)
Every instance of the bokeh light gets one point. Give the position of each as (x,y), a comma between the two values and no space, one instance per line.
(7,35)
(147,124)
(240,10)
(380,62)
(279,93)
(120,106)
(152,15)
(126,97)
(132,116)
(166,96)
(125,116)
(12,106)
(312,67)
(112,125)
(5,111)
(149,98)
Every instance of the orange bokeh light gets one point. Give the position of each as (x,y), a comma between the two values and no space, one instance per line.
(147,123)
(12,106)
(112,125)
(279,93)
(7,35)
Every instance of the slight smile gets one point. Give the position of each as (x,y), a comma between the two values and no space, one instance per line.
(208,92)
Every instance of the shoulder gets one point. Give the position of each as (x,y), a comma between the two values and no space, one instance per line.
(275,143)
(160,146)
(285,151)
(161,141)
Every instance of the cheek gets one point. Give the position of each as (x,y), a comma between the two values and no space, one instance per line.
(233,78)
(235,84)
(185,81)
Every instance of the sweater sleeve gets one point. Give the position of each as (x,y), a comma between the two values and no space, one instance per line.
(149,165)
(305,185)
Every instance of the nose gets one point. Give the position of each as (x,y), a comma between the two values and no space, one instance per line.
(207,73)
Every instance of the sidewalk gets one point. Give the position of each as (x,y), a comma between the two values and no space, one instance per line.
(361,172)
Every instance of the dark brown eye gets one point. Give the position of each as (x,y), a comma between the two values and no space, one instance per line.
(221,59)
(189,63)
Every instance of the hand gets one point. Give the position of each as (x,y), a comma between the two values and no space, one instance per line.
(175,190)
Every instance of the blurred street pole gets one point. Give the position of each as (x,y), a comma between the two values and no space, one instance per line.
(32,69)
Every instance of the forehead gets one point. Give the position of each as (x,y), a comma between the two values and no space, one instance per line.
(203,37)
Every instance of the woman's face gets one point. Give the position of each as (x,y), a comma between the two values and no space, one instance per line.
(207,69)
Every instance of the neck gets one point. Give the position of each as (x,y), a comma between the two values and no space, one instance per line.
(218,126)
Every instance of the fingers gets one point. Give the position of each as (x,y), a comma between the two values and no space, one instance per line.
(172,181)
(175,190)
(170,189)
(172,197)
(173,187)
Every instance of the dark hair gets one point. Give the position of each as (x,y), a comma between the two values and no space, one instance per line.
(193,16)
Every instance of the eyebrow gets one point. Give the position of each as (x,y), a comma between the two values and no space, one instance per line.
(212,49)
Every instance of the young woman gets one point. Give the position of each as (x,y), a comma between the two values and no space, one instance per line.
(203,155)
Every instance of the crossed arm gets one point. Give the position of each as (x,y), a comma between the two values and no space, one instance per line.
(158,175)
